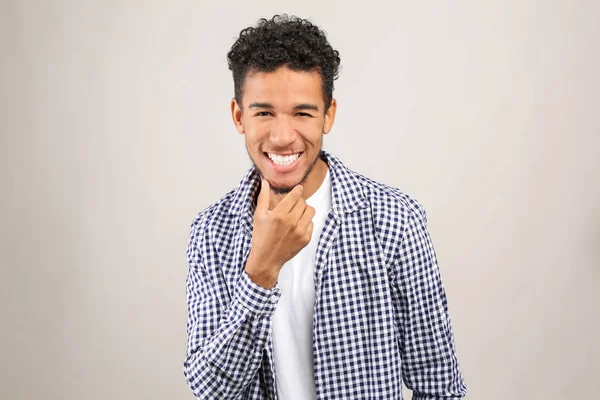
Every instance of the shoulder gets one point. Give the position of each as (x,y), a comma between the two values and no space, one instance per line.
(214,215)
(393,211)
(390,199)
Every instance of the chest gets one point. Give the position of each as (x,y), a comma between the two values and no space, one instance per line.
(345,261)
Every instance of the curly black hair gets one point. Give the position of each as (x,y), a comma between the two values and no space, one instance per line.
(283,41)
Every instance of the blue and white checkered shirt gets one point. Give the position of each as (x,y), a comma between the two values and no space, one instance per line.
(380,315)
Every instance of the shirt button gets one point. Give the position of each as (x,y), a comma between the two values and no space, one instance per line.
(273,298)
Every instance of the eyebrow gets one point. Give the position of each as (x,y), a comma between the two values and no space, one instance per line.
(260,105)
(302,106)
(305,106)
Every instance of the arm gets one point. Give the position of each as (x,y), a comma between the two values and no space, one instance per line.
(227,335)
(225,345)
(429,365)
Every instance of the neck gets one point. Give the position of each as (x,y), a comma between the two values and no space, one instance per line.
(313,182)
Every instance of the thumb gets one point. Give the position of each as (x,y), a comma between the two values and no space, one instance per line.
(264,197)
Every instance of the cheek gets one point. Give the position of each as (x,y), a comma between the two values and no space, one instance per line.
(256,131)
(313,127)
(306,124)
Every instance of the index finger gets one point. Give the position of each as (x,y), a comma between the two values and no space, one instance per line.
(288,202)
(262,203)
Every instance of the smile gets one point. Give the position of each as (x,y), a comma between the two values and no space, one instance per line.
(283,160)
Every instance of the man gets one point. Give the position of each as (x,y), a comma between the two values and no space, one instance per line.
(310,281)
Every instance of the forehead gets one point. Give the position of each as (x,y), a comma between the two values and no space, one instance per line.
(283,85)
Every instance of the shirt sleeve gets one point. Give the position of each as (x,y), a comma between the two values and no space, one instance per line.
(429,364)
(225,341)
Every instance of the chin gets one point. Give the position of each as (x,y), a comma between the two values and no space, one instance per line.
(281,190)
(285,185)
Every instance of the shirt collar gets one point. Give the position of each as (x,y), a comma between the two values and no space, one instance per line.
(346,191)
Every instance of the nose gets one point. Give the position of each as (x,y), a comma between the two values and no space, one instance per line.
(283,133)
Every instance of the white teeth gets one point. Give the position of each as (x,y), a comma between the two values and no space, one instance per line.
(283,160)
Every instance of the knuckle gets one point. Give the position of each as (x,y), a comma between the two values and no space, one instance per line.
(279,217)
(307,237)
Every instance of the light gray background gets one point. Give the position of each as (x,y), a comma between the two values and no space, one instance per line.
(115,132)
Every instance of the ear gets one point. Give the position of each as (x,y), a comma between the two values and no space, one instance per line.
(330,116)
(236,115)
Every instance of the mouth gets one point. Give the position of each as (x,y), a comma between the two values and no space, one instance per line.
(283,163)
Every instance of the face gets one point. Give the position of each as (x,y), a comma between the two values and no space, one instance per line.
(283,119)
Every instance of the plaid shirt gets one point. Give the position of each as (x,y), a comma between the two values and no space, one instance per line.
(380,315)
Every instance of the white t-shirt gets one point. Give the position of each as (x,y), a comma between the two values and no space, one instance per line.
(292,321)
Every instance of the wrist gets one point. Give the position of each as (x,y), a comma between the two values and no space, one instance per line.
(261,273)
(262,280)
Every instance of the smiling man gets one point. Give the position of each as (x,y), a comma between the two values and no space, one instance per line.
(308,280)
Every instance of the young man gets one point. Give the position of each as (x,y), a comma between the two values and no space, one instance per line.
(310,281)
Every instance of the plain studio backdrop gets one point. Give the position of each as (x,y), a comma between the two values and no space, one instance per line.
(115,133)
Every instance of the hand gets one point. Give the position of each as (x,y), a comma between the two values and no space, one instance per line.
(278,236)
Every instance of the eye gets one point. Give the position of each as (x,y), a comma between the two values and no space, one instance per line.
(302,114)
(262,114)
